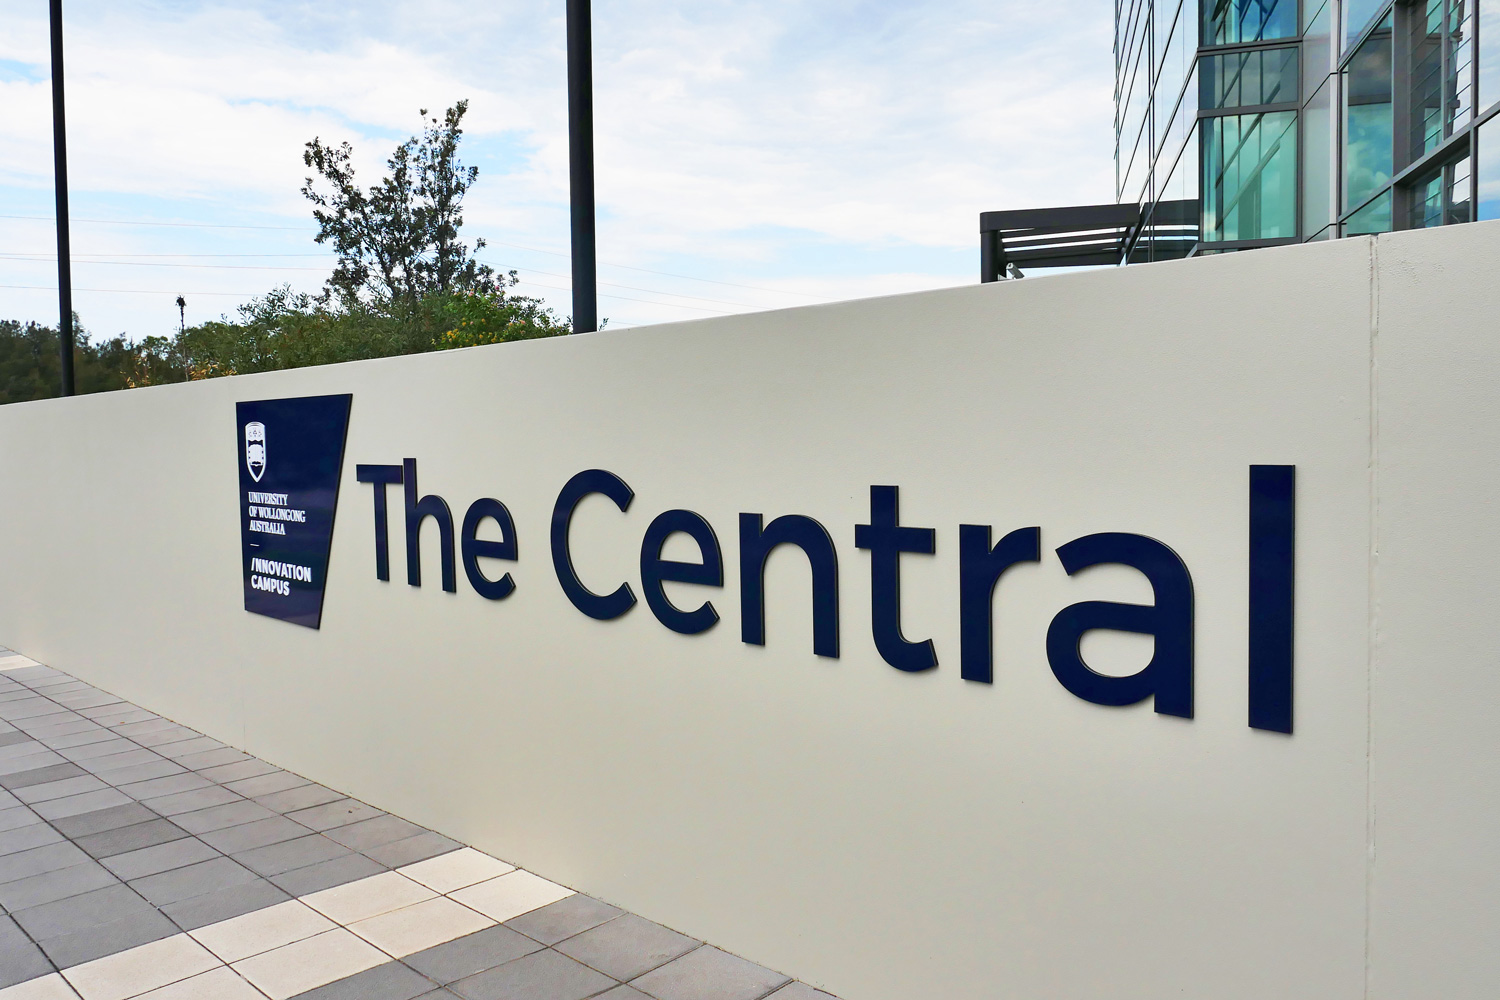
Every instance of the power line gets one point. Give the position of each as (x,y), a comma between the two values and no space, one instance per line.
(183,225)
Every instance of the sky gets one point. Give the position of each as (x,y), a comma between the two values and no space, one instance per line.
(748,155)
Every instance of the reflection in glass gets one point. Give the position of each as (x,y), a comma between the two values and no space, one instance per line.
(1317,161)
(1460,64)
(1489,54)
(1488,172)
(1373,218)
(1426,54)
(1367,118)
(1427,202)
(1357,15)
(1457,207)
(1243,79)
(1228,22)
(1441,198)
(1250,177)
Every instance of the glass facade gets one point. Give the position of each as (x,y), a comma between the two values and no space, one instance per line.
(1277,121)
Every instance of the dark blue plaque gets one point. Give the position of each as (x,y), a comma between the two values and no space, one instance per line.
(291,455)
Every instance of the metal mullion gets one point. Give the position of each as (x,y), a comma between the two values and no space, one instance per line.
(1364,36)
(1248,109)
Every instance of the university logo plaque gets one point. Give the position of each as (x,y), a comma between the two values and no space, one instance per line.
(290,456)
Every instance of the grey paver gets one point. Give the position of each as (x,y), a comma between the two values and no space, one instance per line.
(327,874)
(31,762)
(242,769)
(266,784)
(103,766)
(17,816)
(471,954)
(52,886)
(88,909)
(110,718)
(38,860)
(206,797)
(75,805)
(80,738)
(627,946)
(375,832)
(543,975)
(23,747)
(154,788)
(211,758)
(186,748)
(623,992)
(160,858)
(135,729)
(193,880)
(107,939)
(131,838)
(104,819)
(301,797)
(413,849)
(288,855)
(710,974)
(200,911)
(129,775)
(159,739)
(248,836)
(97,748)
(7,800)
(50,790)
(20,960)
(24,838)
(73,725)
(218,817)
(14,737)
(335,814)
(565,918)
(392,981)
(41,775)
(800,991)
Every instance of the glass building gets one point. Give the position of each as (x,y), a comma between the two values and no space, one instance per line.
(1251,123)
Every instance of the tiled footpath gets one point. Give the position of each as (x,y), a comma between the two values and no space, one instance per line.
(139,858)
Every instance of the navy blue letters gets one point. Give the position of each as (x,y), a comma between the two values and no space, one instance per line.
(1273,522)
(887,539)
(655,570)
(622,598)
(380,475)
(475,548)
(417,511)
(979,570)
(756,543)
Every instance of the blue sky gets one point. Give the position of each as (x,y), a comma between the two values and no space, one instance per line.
(749,155)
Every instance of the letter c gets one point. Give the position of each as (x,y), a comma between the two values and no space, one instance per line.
(622,599)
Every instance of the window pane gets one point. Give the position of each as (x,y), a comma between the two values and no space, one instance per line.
(1227,22)
(1250,177)
(1240,79)
(1367,118)
(1317,38)
(1456,207)
(1357,16)
(1489,53)
(1427,202)
(1425,46)
(1488,153)
(1317,161)
(1373,218)
(1460,71)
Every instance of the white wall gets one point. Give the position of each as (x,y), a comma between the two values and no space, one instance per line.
(881,834)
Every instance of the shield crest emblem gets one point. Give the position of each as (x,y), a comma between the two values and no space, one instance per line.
(255,449)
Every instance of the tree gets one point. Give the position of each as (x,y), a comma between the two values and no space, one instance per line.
(399,241)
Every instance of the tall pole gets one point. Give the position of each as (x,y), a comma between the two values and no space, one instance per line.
(581,165)
(60,167)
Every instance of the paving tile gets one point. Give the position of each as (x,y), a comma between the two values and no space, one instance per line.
(262,930)
(800,991)
(77,724)
(8,800)
(76,805)
(391,981)
(211,758)
(20,745)
(16,817)
(185,748)
(511,895)
(193,880)
(77,738)
(292,854)
(113,818)
(24,838)
(368,897)
(302,881)
(456,869)
(82,699)
(233,772)
(710,974)
(51,987)
(199,911)
(31,762)
(109,711)
(52,886)
(335,814)
(104,766)
(107,939)
(135,729)
(160,858)
(215,984)
(247,836)
(623,992)
(375,832)
(413,849)
(76,913)
(59,789)
(21,710)
(20,959)
(310,963)
(154,788)
(41,775)
(111,718)
(133,972)
(542,975)
(131,838)
(204,799)
(471,954)
(266,784)
(217,817)
(97,748)
(561,920)
(162,737)
(627,946)
(301,797)
(421,926)
(130,774)
(38,860)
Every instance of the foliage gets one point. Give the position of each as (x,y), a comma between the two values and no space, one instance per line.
(30,362)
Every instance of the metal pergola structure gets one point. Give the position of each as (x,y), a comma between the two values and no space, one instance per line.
(1083,235)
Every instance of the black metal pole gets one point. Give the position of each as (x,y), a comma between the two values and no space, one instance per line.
(60,167)
(581,165)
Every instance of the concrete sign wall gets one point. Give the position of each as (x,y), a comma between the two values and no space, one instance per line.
(883,830)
